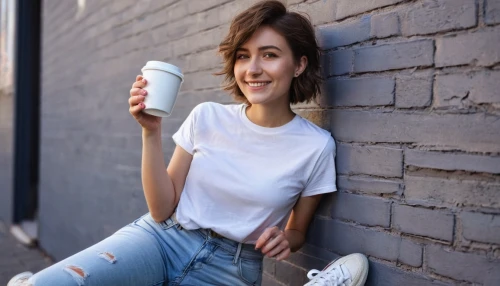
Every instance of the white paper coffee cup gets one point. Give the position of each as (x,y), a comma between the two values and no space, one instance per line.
(163,84)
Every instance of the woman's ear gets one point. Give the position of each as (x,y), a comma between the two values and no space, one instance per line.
(301,66)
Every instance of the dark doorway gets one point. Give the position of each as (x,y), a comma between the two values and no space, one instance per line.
(27,114)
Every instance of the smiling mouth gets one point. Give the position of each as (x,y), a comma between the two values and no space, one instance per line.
(258,84)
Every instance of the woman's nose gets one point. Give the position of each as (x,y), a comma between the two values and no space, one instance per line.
(254,67)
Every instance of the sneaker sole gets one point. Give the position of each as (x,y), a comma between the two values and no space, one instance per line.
(25,275)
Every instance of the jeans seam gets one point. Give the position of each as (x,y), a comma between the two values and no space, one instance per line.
(189,265)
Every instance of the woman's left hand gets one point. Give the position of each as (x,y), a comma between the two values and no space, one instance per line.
(273,243)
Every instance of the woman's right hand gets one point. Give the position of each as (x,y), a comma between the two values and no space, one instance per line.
(136,102)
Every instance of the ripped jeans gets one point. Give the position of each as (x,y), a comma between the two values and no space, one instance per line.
(146,253)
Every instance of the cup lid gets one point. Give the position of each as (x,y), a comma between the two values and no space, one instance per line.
(164,67)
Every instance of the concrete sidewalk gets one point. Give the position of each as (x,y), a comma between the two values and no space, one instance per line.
(16,258)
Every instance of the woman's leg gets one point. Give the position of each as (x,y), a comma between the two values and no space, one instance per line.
(131,256)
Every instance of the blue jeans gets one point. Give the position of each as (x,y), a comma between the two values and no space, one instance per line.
(149,253)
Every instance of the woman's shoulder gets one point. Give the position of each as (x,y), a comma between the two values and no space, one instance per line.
(314,130)
(209,106)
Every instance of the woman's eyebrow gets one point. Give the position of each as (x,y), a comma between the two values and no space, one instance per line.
(269,47)
(260,48)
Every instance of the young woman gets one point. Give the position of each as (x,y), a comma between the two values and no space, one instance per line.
(244,180)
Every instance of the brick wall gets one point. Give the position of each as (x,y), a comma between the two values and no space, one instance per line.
(411,96)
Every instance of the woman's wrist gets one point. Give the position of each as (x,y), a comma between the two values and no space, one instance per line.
(295,239)
(148,133)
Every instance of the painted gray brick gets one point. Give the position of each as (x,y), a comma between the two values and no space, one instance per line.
(394,56)
(318,253)
(481,227)
(290,274)
(320,12)
(368,185)
(435,191)
(479,48)
(462,90)
(471,132)
(269,265)
(199,61)
(451,161)
(410,253)
(371,160)
(381,274)
(344,34)
(349,8)
(425,222)
(347,239)
(385,25)
(325,65)
(462,266)
(365,210)
(492,12)
(306,261)
(414,91)
(371,91)
(340,62)
(429,17)
(269,280)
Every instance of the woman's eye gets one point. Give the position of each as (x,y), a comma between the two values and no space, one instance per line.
(239,57)
(269,55)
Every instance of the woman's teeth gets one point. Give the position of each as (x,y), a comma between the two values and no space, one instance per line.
(257,84)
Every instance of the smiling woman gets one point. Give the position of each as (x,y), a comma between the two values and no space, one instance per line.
(294,33)
(232,193)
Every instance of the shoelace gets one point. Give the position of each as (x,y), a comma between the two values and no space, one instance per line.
(334,277)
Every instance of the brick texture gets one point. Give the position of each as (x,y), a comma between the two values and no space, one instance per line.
(344,34)
(359,92)
(368,184)
(477,48)
(432,223)
(451,161)
(348,206)
(437,191)
(348,8)
(481,227)
(463,266)
(414,90)
(385,25)
(492,12)
(394,56)
(427,17)
(463,90)
(469,132)
(372,160)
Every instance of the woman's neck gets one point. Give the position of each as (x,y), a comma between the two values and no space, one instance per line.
(269,116)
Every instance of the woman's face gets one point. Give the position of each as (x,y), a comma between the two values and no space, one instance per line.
(265,67)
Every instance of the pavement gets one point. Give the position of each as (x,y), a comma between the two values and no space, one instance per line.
(16,258)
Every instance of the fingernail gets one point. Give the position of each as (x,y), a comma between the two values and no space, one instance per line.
(142,105)
(144,80)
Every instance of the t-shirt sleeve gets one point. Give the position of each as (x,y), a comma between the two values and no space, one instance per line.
(185,136)
(322,179)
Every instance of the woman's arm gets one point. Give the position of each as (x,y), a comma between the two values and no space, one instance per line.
(162,189)
(276,243)
(300,218)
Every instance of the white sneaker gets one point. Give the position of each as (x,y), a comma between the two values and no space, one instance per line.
(19,279)
(350,270)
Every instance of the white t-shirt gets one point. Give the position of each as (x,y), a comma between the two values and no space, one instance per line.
(244,177)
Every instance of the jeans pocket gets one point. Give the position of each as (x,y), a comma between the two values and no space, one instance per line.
(250,270)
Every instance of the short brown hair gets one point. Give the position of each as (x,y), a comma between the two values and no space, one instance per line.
(299,34)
